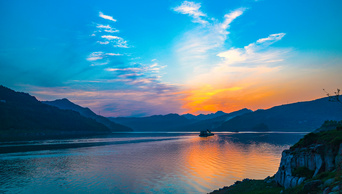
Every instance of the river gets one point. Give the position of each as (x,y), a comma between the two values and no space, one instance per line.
(140,162)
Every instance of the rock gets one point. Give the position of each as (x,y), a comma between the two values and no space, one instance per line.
(329,160)
(301,180)
(294,182)
(329,182)
(312,185)
(287,182)
(336,188)
(335,192)
(326,190)
(338,158)
(319,162)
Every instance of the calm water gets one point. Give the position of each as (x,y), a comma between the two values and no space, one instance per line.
(142,163)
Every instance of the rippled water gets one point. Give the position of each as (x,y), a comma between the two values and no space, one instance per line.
(141,162)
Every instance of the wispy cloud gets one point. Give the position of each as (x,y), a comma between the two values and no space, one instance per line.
(101,42)
(107,28)
(110,37)
(116,41)
(111,31)
(95,56)
(114,54)
(228,18)
(107,17)
(160,99)
(199,46)
(125,69)
(192,9)
(99,55)
(103,26)
(254,54)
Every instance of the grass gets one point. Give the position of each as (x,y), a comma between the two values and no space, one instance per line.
(322,176)
(251,187)
(333,137)
(303,172)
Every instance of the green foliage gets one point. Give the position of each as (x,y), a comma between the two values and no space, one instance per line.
(332,137)
(251,187)
(303,172)
(331,124)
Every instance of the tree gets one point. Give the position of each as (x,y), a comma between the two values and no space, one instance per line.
(334,98)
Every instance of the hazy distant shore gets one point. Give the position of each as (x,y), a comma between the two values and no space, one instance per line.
(27,146)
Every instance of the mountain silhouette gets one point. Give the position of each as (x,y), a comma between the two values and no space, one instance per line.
(66,104)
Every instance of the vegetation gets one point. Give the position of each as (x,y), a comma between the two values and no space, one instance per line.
(332,137)
(251,187)
(334,98)
(303,172)
(322,176)
(23,115)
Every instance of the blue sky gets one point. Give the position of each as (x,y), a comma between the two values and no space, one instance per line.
(138,58)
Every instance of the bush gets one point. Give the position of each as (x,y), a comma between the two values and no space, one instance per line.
(303,172)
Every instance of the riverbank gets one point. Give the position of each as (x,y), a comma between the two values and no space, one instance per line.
(326,182)
(312,165)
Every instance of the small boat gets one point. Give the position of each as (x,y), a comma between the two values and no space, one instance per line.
(206,133)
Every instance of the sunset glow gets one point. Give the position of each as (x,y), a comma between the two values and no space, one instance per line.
(138,58)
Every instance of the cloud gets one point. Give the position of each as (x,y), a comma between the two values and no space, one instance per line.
(192,9)
(107,17)
(117,41)
(271,38)
(107,28)
(111,31)
(161,99)
(95,56)
(228,18)
(100,63)
(105,42)
(124,69)
(199,46)
(114,54)
(254,52)
(110,37)
(103,26)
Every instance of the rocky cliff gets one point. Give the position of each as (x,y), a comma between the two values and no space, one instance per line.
(315,153)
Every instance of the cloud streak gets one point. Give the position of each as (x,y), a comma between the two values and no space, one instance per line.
(253,53)
(107,17)
(192,9)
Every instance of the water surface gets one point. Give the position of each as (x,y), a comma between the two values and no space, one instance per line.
(141,162)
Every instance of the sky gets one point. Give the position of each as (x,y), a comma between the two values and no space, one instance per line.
(141,58)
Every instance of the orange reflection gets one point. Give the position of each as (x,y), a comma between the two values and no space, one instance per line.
(223,163)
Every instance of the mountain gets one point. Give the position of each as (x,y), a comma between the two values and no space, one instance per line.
(203,116)
(215,122)
(65,104)
(300,116)
(175,122)
(170,122)
(23,116)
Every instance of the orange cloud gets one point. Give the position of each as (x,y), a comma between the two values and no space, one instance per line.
(197,100)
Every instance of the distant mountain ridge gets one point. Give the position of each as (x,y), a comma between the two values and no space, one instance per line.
(215,122)
(175,122)
(300,116)
(86,112)
(204,116)
(170,122)
(22,116)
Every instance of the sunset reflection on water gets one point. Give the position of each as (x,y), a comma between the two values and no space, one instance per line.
(214,161)
(155,163)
